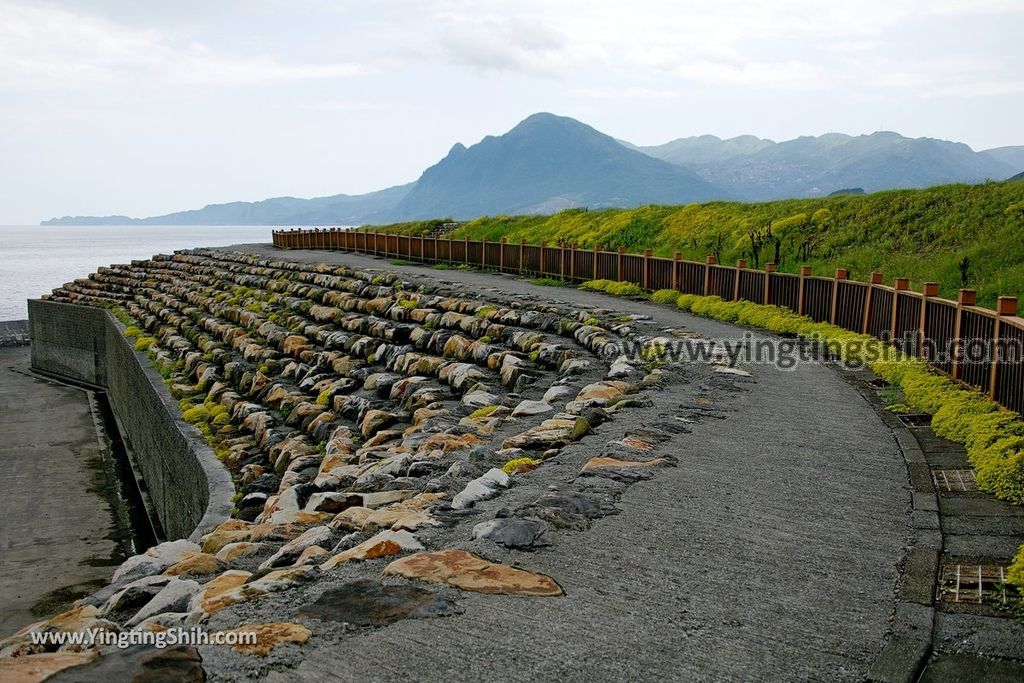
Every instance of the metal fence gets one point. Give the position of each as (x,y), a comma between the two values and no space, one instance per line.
(978,346)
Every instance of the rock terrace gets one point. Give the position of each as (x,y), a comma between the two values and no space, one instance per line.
(364,420)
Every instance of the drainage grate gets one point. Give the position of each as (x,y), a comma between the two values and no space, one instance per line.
(972,584)
(955,481)
(916,420)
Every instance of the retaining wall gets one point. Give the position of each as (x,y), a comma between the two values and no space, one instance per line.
(189,488)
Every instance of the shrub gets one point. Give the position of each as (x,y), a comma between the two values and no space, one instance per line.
(132,331)
(596,285)
(665,296)
(624,289)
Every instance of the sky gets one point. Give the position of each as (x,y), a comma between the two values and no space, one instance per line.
(144,108)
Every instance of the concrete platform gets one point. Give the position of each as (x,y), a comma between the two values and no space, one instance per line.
(59,538)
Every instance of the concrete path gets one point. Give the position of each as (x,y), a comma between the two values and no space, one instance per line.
(56,525)
(771,552)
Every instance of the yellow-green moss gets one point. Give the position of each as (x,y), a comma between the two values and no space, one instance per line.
(324,397)
(196,415)
(520,465)
(143,343)
(482,412)
(132,331)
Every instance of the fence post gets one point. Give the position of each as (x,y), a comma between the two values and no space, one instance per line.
(708,262)
(740,265)
(841,274)
(801,304)
(561,260)
(541,259)
(902,284)
(769,268)
(483,253)
(501,254)
(618,277)
(676,275)
(572,261)
(522,248)
(646,279)
(929,289)
(1005,306)
(597,250)
(965,297)
(869,300)
(465,250)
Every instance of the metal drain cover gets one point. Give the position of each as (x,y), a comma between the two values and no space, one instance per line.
(955,481)
(972,584)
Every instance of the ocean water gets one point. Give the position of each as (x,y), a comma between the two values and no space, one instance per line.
(34,259)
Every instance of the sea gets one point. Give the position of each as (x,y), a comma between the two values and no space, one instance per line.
(34,259)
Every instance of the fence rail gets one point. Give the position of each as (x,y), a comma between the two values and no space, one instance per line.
(978,346)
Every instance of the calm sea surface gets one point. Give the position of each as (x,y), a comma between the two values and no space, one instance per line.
(35,259)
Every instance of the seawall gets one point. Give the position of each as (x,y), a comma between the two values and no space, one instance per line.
(189,488)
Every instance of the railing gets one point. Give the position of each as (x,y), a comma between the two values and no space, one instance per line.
(977,346)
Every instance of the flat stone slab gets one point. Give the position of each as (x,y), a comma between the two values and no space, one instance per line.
(370,603)
(471,573)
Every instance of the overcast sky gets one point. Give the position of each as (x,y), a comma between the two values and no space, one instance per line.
(142,108)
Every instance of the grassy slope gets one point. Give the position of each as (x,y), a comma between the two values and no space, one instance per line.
(920,234)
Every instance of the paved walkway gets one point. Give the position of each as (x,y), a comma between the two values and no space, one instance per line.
(56,524)
(770,552)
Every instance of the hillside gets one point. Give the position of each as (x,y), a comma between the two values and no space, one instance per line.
(808,166)
(544,164)
(921,234)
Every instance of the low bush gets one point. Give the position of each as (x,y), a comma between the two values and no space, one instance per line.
(665,296)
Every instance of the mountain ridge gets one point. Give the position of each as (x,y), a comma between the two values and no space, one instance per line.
(547,163)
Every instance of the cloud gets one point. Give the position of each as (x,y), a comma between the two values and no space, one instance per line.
(797,45)
(47,47)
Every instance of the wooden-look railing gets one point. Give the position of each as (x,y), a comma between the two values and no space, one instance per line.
(978,346)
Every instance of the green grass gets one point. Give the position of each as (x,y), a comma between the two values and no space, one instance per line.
(920,234)
(549,282)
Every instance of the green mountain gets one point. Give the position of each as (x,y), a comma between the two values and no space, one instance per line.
(706,149)
(1011,156)
(921,234)
(808,166)
(340,209)
(544,164)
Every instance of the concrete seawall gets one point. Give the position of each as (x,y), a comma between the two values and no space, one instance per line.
(189,488)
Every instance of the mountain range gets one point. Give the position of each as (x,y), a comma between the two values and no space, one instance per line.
(548,163)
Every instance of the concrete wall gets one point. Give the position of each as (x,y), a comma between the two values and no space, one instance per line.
(189,488)
(13,332)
